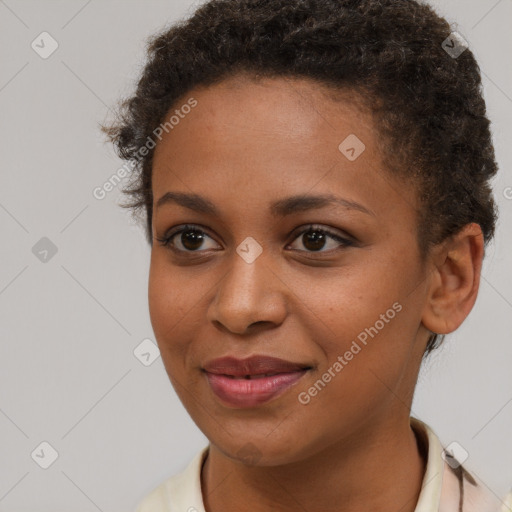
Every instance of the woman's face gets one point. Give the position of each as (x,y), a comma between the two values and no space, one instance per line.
(249,169)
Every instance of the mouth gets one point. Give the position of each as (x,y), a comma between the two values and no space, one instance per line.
(243,383)
(249,377)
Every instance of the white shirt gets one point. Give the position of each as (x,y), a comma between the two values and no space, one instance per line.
(440,490)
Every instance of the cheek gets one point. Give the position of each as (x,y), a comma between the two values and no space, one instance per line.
(362,374)
(342,306)
(375,348)
(170,309)
(372,318)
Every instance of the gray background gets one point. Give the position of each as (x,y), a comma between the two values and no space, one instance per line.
(69,326)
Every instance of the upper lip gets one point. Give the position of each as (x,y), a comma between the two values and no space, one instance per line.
(254,365)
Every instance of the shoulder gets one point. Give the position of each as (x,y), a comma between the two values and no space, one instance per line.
(157,500)
(448,486)
(181,491)
(463,490)
(507,503)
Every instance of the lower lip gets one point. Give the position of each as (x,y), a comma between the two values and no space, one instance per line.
(251,392)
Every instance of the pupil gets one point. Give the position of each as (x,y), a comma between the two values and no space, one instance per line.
(192,239)
(314,240)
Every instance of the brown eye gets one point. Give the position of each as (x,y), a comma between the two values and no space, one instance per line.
(192,239)
(315,239)
(186,239)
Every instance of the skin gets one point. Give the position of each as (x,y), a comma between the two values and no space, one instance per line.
(245,145)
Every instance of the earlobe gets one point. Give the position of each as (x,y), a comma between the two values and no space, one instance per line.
(454,281)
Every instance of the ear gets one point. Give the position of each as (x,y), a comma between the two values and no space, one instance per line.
(454,281)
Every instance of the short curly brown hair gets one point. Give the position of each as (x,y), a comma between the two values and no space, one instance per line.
(428,104)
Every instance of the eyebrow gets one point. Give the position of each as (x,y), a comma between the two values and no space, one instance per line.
(280,208)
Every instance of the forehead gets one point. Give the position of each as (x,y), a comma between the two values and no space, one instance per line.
(292,105)
(255,138)
(275,119)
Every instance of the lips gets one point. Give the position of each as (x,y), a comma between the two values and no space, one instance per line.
(252,381)
(252,367)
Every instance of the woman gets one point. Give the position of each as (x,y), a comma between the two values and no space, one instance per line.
(315,180)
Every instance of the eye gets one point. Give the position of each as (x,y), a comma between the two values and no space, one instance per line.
(192,238)
(316,238)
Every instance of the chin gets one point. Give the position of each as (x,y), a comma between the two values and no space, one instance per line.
(261,451)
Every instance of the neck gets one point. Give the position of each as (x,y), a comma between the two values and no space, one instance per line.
(377,468)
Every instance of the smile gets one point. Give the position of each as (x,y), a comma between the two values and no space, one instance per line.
(252,390)
(252,381)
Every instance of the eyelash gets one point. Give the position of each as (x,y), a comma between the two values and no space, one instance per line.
(166,241)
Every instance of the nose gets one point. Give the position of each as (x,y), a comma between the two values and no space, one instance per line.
(249,297)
